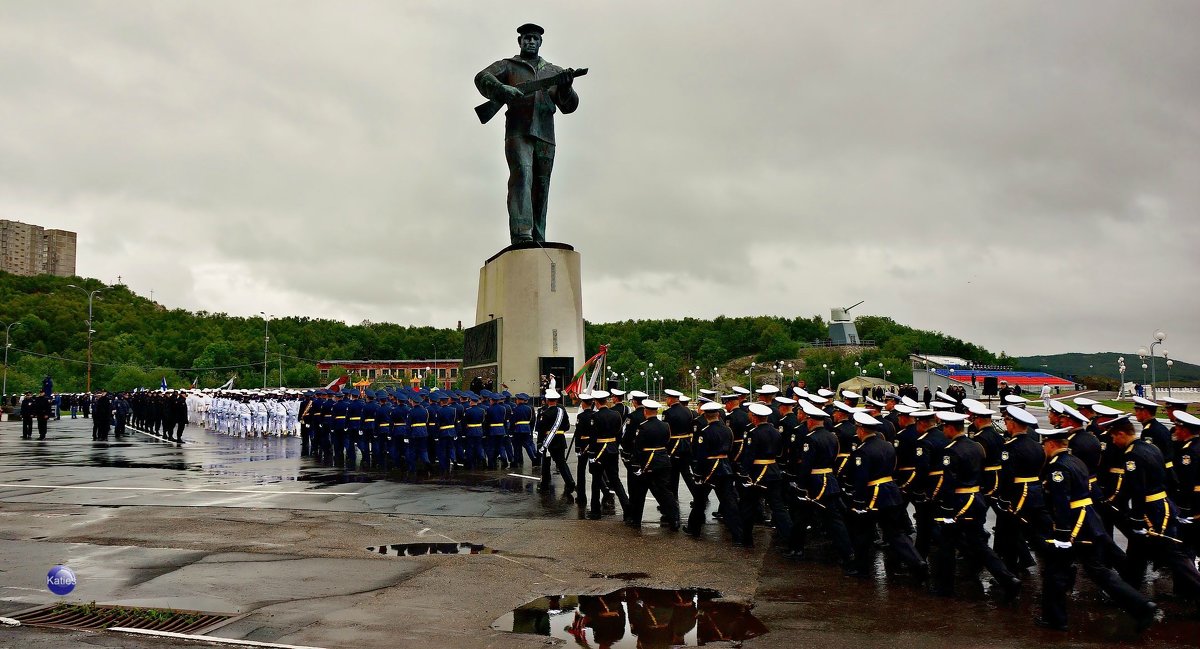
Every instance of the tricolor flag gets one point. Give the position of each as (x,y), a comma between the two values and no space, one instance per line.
(336,384)
(596,363)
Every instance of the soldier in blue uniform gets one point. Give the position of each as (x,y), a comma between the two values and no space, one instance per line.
(416,444)
(1078,535)
(962,510)
(521,430)
(400,430)
(447,429)
(877,501)
(338,429)
(714,473)
(473,421)
(497,432)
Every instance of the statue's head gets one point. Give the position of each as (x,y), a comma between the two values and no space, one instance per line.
(529,38)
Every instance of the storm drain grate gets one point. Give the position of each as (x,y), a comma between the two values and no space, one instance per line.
(99,616)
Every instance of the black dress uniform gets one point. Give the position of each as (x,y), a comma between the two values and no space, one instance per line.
(739,424)
(993,445)
(584,428)
(1080,535)
(1187,492)
(816,476)
(1022,511)
(927,479)
(961,512)
(847,439)
(763,480)
(714,473)
(878,502)
(553,420)
(651,471)
(1155,534)
(679,420)
(604,458)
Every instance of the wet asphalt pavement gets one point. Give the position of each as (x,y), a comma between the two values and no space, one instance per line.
(248,526)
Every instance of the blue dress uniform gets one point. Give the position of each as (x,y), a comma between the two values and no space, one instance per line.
(508,440)
(338,428)
(1078,535)
(1155,533)
(652,471)
(447,429)
(820,491)
(473,422)
(416,444)
(497,424)
(366,433)
(961,512)
(459,450)
(354,415)
(381,450)
(764,481)
(400,431)
(521,428)
(714,473)
(878,502)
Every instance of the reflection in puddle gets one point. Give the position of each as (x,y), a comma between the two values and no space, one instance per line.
(421,549)
(636,617)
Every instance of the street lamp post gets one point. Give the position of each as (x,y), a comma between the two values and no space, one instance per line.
(1121,371)
(829,383)
(281,348)
(7,330)
(91,295)
(1159,337)
(266,339)
(1169,364)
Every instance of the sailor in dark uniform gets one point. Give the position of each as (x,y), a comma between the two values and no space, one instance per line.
(1187,472)
(985,433)
(762,480)
(1022,512)
(1153,431)
(1142,492)
(1078,535)
(962,510)
(551,427)
(604,455)
(585,424)
(679,419)
(714,473)
(651,467)
(877,500)
(818,490)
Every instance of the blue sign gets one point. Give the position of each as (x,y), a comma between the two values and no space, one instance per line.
(60,580)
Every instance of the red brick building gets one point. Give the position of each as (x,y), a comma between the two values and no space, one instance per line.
(443,372)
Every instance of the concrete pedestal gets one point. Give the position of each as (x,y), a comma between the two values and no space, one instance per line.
(534,293)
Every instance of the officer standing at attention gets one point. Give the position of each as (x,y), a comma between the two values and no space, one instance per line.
(497,422)
(1078,534)
(552,426)
(473,420)
(27,416)
(651,467)
(714,473)
(447,426)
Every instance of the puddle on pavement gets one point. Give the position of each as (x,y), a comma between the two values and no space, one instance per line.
(649,618)
(422,549)
(623,576)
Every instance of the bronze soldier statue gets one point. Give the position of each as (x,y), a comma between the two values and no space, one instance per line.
(532,88)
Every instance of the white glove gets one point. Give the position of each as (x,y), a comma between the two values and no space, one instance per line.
(1061,545)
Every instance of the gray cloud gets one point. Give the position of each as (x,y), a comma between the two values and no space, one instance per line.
(1019,174)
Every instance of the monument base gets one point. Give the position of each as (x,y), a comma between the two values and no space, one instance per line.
(529,318)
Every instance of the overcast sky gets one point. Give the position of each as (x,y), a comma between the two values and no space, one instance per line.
(1025,175)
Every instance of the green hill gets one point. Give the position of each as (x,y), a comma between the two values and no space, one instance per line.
(1105,364)
(138,342)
